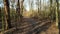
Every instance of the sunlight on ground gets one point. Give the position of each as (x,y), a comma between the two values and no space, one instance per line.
(28,14)
(52,30)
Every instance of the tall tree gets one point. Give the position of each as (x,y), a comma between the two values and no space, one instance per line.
(51,8)
(59,15)
(18,12)
(21,6)
(21,9)
(12,7)
(7,14)
(0,12)
(57,10)
(18,8)
(31,6)
(38,5)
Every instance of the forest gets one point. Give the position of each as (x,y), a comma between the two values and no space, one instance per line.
(29,16)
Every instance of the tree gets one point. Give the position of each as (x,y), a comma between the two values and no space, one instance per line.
(21,9)
(12,5)
(18,8)
(0,12)
(57,9)
(17,13)
(7,14)
(38,5)
(51,6)
(22,6)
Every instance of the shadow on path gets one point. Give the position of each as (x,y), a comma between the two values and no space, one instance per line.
(36,26)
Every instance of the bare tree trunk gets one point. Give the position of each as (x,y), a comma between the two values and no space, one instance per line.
(57,9)
(57,19)
(7,14)
(21,6)
(21,9)
(18,9)
(18,13)
(0,12)
(51,6)
(38,6)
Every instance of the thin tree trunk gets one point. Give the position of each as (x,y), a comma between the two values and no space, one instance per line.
(21,9)
(38,6)
(18,13)
(51,9)
(57,9)
(18,8)
(57,19)
(7,14)
(0,13)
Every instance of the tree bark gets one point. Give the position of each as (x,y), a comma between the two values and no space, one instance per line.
(7,14)
(57,17)
(21,6)
(57,9)
(0,12)
(21,9)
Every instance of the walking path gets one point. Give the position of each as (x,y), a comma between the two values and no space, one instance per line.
(32,26)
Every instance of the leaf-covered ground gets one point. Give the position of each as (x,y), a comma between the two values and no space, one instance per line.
(41,26)
(35,26)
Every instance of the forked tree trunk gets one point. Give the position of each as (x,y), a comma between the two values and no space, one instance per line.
(7,14)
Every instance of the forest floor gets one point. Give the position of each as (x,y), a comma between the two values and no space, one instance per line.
(36,26)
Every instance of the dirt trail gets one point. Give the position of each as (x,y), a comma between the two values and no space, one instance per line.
(31,26)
